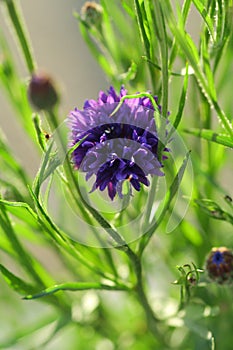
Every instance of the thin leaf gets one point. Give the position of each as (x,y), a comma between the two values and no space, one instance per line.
(75,286)
(212,136)
(28,329)
(204,14)
(182,18)
(22,211)
(212,209)
(16,283)
(15,88)
(207,65)
(168,198)
(142,20)
(98,51)
(20,31)
(85,255)
(181,103)
(191,53)
(162,38)
(129,75)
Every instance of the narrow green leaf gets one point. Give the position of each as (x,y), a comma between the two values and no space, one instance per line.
(162,38)
(7,157)
(128,8)
(183,15)
(40,135)
(26,259)
(22,211)
(15,88)
(212,209)
(49,164)
(129,75)
(212,136)
(12,340)
(181,102)
(20,31)
(142,31)
(107,29)
(16,283)
(207,66)
(167,201)
(204,14)
(142,22)
(85,255)
(155,65)
(98,51)
(223,23)
(75,286)
(191,53)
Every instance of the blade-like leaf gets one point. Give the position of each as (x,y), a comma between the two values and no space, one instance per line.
(169,196)
(214,210)
(75,286)
(210,135)
(204,14)
(22,211)
(16,283)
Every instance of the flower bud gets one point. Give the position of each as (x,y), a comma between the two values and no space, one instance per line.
(92,13)
(219,265)
(41,92)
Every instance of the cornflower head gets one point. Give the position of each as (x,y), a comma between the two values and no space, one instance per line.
(219,265)
(120,141)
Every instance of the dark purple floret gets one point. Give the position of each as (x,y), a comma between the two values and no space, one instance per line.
(118,146)
(218,258)
(219,265)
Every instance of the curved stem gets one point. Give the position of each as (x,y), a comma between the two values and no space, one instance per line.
(20,31)
(152,320)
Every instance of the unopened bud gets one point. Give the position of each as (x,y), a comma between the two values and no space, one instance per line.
(219,265)
(41,92)
(92,13)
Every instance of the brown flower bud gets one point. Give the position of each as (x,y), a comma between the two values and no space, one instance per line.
(41,92)
(219,265)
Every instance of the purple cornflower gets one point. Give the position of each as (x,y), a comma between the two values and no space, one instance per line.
(118,146)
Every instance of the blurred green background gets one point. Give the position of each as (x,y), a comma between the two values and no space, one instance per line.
(60,51)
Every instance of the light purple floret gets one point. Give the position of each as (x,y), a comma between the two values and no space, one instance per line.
(118,146)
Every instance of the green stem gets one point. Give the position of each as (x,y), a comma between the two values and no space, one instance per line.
(121,244)
(63,241)
(73,287)
(30,265)
(25,259)
(141,20)
(152,320)
(20,30)
(189,49)
(135,260)
(162,37)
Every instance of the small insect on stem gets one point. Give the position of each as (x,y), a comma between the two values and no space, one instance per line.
(47,135)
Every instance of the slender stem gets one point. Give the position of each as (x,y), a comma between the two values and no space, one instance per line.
(162,38)
(134,259)
(66,243)
(72,286)
(24,257)
(20,30)
(152,320)
(121,243)
(144,38)
(27,261)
